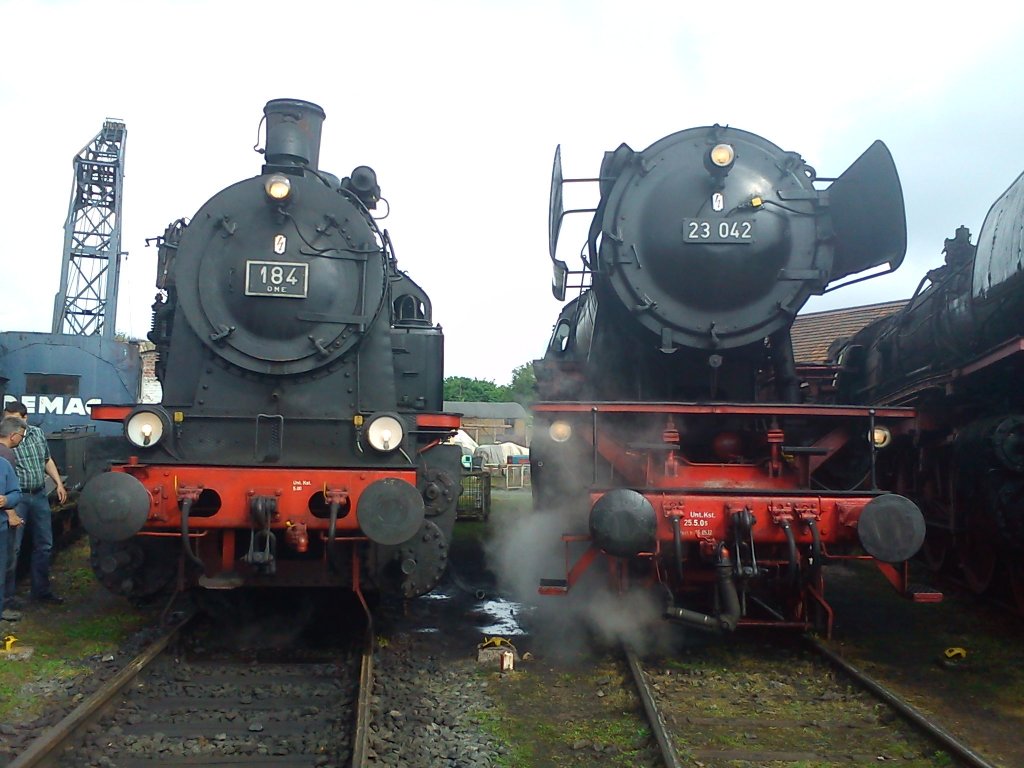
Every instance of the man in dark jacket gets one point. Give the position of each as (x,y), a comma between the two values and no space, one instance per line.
(12,432)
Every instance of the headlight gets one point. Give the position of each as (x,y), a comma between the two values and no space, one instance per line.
(560,431)
(880,437)
(384,433)
(146,427)
(278,186)
(722,155)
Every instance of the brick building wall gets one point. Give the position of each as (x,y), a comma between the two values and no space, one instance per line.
(151,389)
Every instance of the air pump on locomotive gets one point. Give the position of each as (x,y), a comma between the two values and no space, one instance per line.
(656,435)
(955,352)
(297,442)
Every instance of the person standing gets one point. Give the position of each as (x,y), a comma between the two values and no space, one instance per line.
(34,464)
(12,431)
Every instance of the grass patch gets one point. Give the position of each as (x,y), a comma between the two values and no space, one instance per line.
(63,638)
(499,728)
(98,631)
(80,580)
(556,719)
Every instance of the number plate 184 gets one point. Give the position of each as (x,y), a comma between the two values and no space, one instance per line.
(718,230)
(276,278)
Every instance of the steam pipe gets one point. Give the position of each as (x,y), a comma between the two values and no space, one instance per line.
(816,555)
(331,535)
(729,617)
(791,546)
(186,507)
(677,537)
(335,506)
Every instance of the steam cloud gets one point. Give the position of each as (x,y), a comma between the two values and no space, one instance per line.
(528,547)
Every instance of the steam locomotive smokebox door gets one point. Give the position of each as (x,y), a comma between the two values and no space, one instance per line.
(891,528)
(698,265)
(259,297)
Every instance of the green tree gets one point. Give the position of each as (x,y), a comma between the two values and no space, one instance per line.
(462,389)
(522,389)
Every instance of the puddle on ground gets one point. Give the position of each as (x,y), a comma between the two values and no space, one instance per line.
(450,607)
(503,615)
(436,595)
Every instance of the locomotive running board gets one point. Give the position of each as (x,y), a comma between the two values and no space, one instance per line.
(573,573)
(230,580)
(899,577)
(553,586)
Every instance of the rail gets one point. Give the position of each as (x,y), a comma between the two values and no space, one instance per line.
(46,749)
(361,735)
(910,713)
(654,718)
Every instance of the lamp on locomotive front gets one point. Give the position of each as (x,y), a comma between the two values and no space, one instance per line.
(363,182)
(880,437)
(278,186)
(719,162)
(384,432)
(146,426)
(560,431)
(722,155)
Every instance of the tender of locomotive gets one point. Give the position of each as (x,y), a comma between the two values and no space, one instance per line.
(297,442)
(653,435)
(955,352)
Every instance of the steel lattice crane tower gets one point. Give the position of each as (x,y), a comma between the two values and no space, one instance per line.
(87,302)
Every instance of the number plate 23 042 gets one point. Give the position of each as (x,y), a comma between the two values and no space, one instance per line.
(718,230)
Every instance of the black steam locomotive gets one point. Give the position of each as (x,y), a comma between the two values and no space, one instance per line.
(956,353)
(655,437)
(297,442)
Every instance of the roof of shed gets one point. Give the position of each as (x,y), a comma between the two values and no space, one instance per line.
(479,410)
(814,332)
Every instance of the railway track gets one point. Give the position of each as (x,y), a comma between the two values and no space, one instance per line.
(173,708)
(726,706)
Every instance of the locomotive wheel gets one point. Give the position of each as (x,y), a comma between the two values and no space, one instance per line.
(935,550)
(976,546)
(1016,579)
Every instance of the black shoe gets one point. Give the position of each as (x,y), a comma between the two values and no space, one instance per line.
(50,599)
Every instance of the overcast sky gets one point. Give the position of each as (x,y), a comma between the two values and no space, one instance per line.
(458,106)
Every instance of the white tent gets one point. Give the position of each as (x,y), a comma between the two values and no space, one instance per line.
(498,455)
(461,439)
(511,449)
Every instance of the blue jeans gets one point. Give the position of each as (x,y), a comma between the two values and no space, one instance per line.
(34,509)
(3,551)
(14,537)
